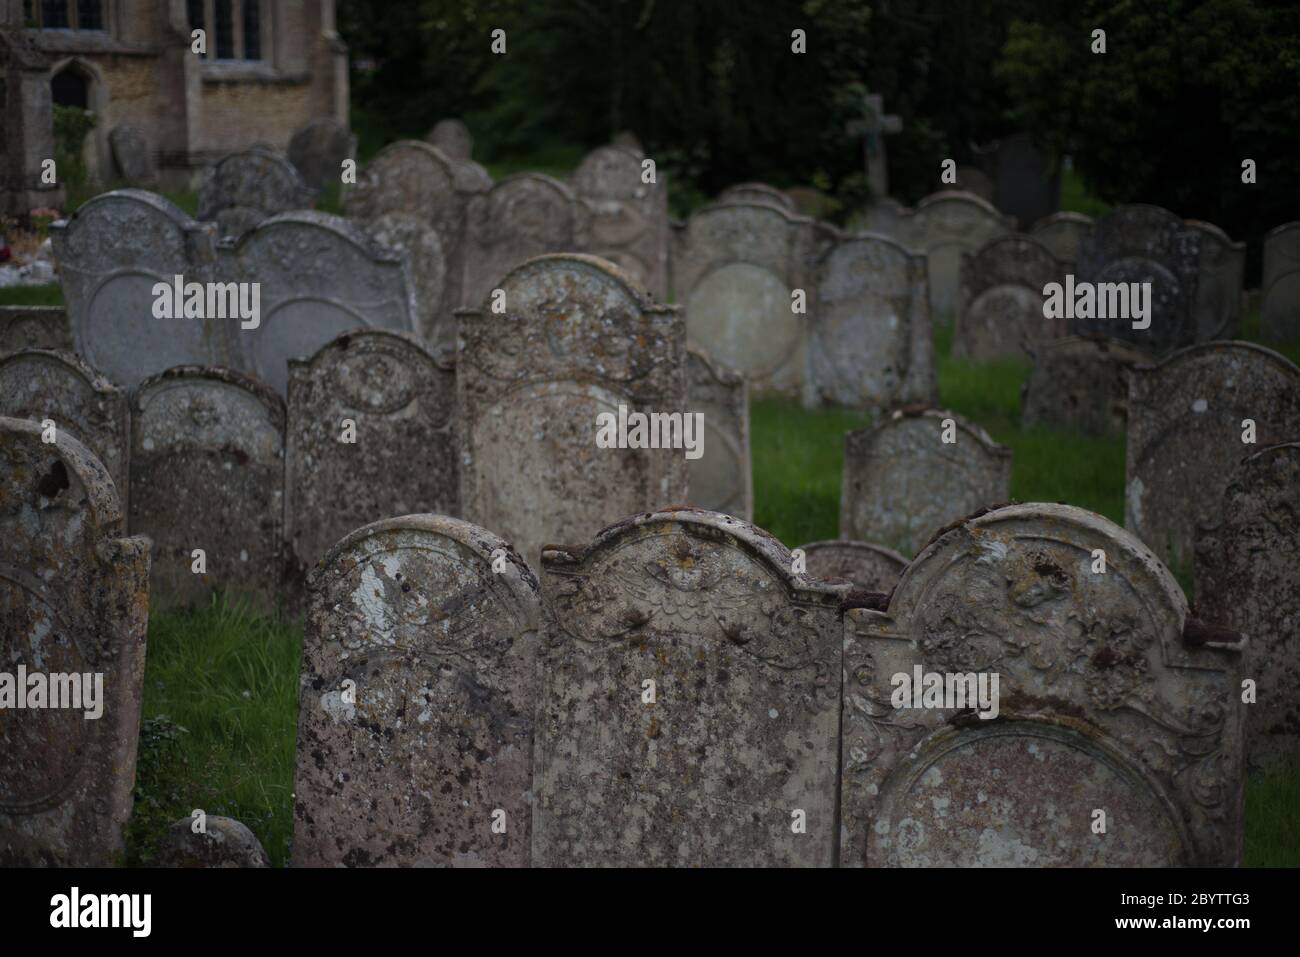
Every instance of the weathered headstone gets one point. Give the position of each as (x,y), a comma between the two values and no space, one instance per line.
(1222,265)
(426,264)
(1001,304)
(244,188)
(871,341)
(1118,734)
(207,473)
(757,193)
(873,126)
(224,843)
(578,338)
(133,157)
(1080,385)
(1025,181)
(869,567)
(628,222)
(903,482)
(1279,315)
(690,707)
(319,149)
(1187,429)
(34,327)
(370,436)
(1063,234)
(722,478)
(417,696)
(453,138)
(973,180)
(75,602)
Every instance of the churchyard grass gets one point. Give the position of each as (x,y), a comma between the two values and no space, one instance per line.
(50,294)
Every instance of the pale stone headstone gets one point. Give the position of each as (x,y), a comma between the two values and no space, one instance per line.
(426,264)
(628,218)
(871,341)
(578,338)
(223,843)
(1279,314)
(728,758)
(75,601)
(1222,265)
(1080,385)
(1108,704)
(207,472)
(722,478)
(397,457)
(1186,424)
(869,567)
(319,149)
(1001,304)
(111,253)
(1063,234)
(735,268)
(757,193)
(453,138)
(417,698)
(133,157)
(902,482)
(34,327)
(244,188)
(1247,577)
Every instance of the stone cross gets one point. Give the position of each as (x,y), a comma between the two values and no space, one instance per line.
(872,128)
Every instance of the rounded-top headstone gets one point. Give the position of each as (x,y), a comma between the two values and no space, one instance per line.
(224,842)
(453,138)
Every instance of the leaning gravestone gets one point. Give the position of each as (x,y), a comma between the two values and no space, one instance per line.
(721,479)
(735,268)
(1247,574)
(319,277)
(871,341)
(370,436)
(1001,303)
(872,568)
(1279,314)
(224,843)
(757,193)
(207,472)
(76,598)
(1187,429)
(245,188)
(1222,265)
(628,222)
(903,482)
(1080,385)
(133,157)
(34,327)
(1109,703)
(1063,234)
(417,697)
(690,707)
(453,138)
(578,338)
(319,149)
(112,252)
(42,385)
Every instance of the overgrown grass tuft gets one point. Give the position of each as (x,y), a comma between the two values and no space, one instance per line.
(50,294)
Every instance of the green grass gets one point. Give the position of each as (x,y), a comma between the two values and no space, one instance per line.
(50,294)
(1272,821)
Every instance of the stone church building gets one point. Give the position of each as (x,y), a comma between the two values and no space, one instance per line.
(269,68)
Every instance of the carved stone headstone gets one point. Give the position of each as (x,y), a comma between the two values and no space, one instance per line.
(722,478)
(1279,315)
(871,340)
(75,602)
(319,149)
(1080,385)
(34,327)
(1186,425)
(426,263)
(417,697)
(690,707)
(224,843)
(1001,305)
(453,138)
(903,482)
(869,567)
(244,188)
(133,157)
(628,222)
(757,193)
(578,338)
(1103,706)
(1222,265)
(207,472)
(1063,234)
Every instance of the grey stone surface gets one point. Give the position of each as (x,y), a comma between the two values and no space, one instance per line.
(426,264)
(133,157)
(722,479)
(1080,384)
(1103,705)
(435,623)
(578,338)
(1279,315)
(1063,234)
(319,148)
(971,179)
(1026,180)
(1001,303)
(757,193)
(26,119)
(1222,265)
(34,327)
(453,138)
(1185,432)
(869,567)
(224,843)
(244,188)
(902,483)
(75,599)
(871,342)
(742,732)
(627,219)
(207,471)
(401,400)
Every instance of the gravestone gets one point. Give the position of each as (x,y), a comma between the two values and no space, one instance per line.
(1141,243)
(973,180)
(757,193)
(399,399)
(732,760)
(319,276)
(244,188)
(224,843)
(1279,315)
(628,222)
(207,472)
(75,601)
(34,327)
(1185,433)
(453,138)
(1080,385)
(1001,304)
(721,479)
(1025,180)
(133,158)
(902,482)
(416,706)
(578,338)
(318,150)
(871,341)
(426,264)
(111,252)
(1108,703)
(1063,234)
(1222,265)
(1247,574)
(41,384)
(869,567)
(943,226)
(735,267)
(873,126)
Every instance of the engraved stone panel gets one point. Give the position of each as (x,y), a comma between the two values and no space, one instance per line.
(244,188)
(628,222)
(1002,299)
(1280,287)
(1080,384)
(1063,234)
(34,327)
(873,568)
(722,478)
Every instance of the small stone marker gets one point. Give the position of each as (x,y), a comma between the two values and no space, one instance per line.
(453,138)
(133,157)
(224,843)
